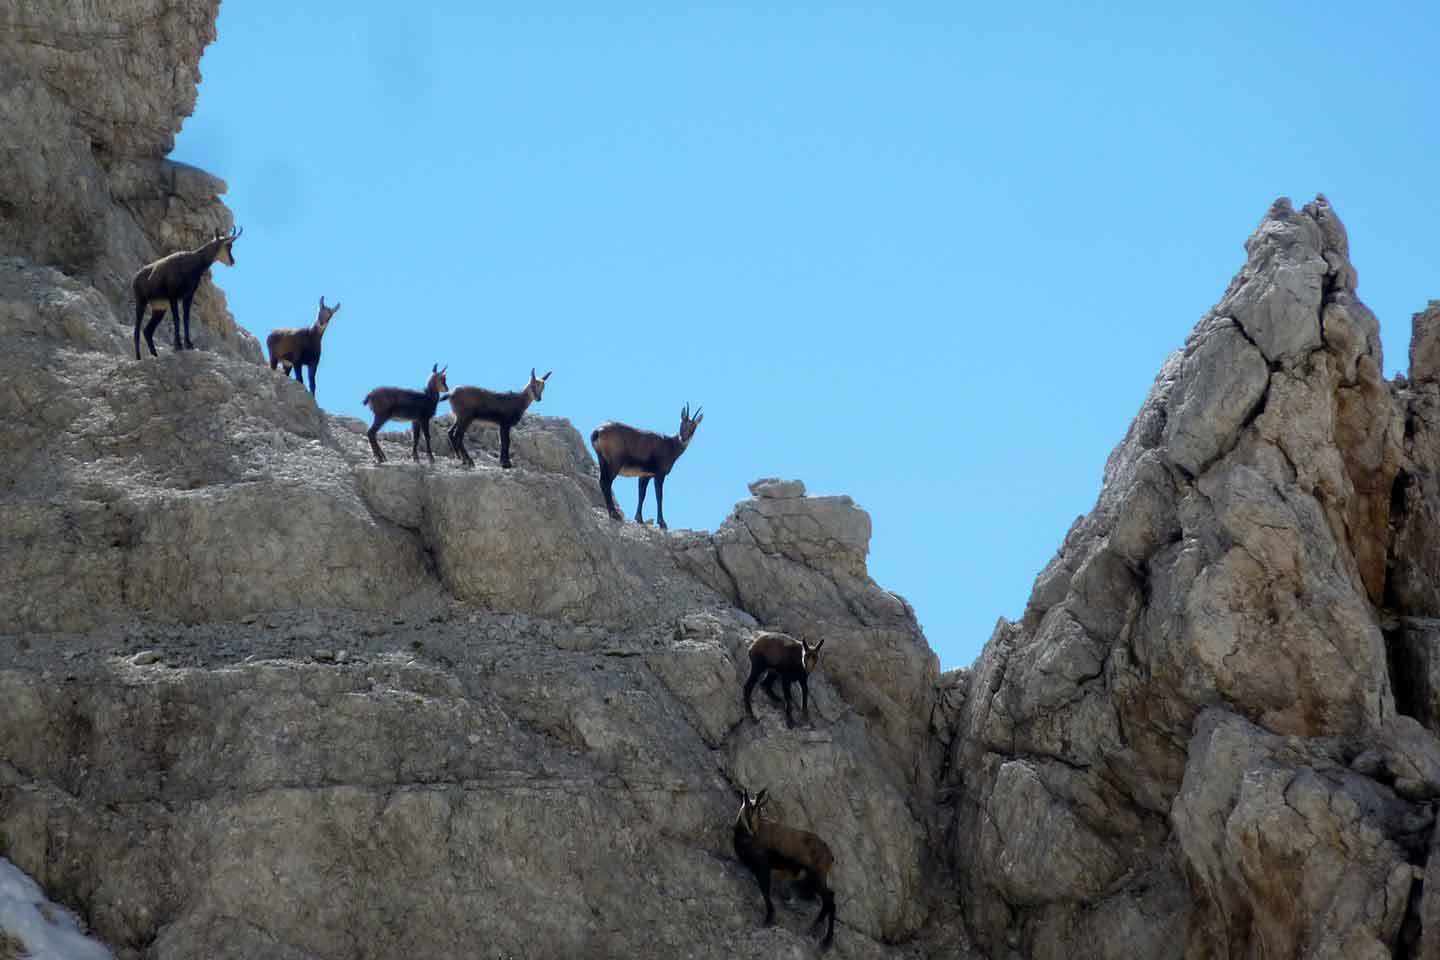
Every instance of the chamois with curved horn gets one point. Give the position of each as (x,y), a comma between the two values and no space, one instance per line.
(502,409)
(767,847)
(417,406)
(296,347)
(624,451)
(170,283)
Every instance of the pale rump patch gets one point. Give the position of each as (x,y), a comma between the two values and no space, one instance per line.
(159,304)
(635,472)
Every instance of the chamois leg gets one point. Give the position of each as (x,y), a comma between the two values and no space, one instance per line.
(415,440)
(504,446)
(428,452)
(607,479)
(186,304)
(827,909)
(770,677)
(785,683)
(805,697)
(762,877)
(660,502)
(175,320)
(312,378)
(640,504)
(139,315)
(456,433)
(757,667)
(298,374)
(155,319)
(374,445)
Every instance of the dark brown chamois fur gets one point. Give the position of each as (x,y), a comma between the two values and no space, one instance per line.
(397,403)
(297,347)
(624,451)
(765,847)
(170,283)
(502,409)
(781,655)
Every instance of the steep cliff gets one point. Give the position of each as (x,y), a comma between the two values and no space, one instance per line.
(262,698)
(1205,736)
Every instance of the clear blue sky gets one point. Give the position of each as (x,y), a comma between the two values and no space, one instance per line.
(931,257)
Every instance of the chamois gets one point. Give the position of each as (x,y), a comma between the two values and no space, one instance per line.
(502,409)
(397,403)
(171,282)
(297,347)
(624,451)
(781,655)
(765,846)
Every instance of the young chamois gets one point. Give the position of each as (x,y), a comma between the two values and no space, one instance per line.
(502,409)
(297,347)
(781,655)
(624,451)
(766,847)
(397,403)
(170,283)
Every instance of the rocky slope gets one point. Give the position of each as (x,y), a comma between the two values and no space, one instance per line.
(262,698)
(1212,733)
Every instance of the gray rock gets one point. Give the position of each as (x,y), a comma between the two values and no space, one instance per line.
(772,488)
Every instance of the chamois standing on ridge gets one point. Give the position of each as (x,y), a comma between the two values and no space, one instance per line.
(397,403)
(502,409)
(170,283)
(297,347)
(780,655)
(766,846)
(624,451)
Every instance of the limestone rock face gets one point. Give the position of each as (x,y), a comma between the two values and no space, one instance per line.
(1162,745)
(260,697)
(93,95)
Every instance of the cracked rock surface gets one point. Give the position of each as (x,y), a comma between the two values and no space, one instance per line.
(260,697)
(1213,731)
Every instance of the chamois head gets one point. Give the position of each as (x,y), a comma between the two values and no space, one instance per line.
(323,320)
(812,654)
(688,425)
(749,816)
(537,384)
(437,379)
(224,252)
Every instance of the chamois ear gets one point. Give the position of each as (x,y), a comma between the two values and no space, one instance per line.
(532,373)
(322,303)
(760,797)
(335,309)
(819,644)
(434,368)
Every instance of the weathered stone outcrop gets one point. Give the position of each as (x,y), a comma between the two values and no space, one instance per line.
(93,95)
(260,697)
(1157,760)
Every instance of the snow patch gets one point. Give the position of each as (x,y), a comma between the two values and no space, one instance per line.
(48,930)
